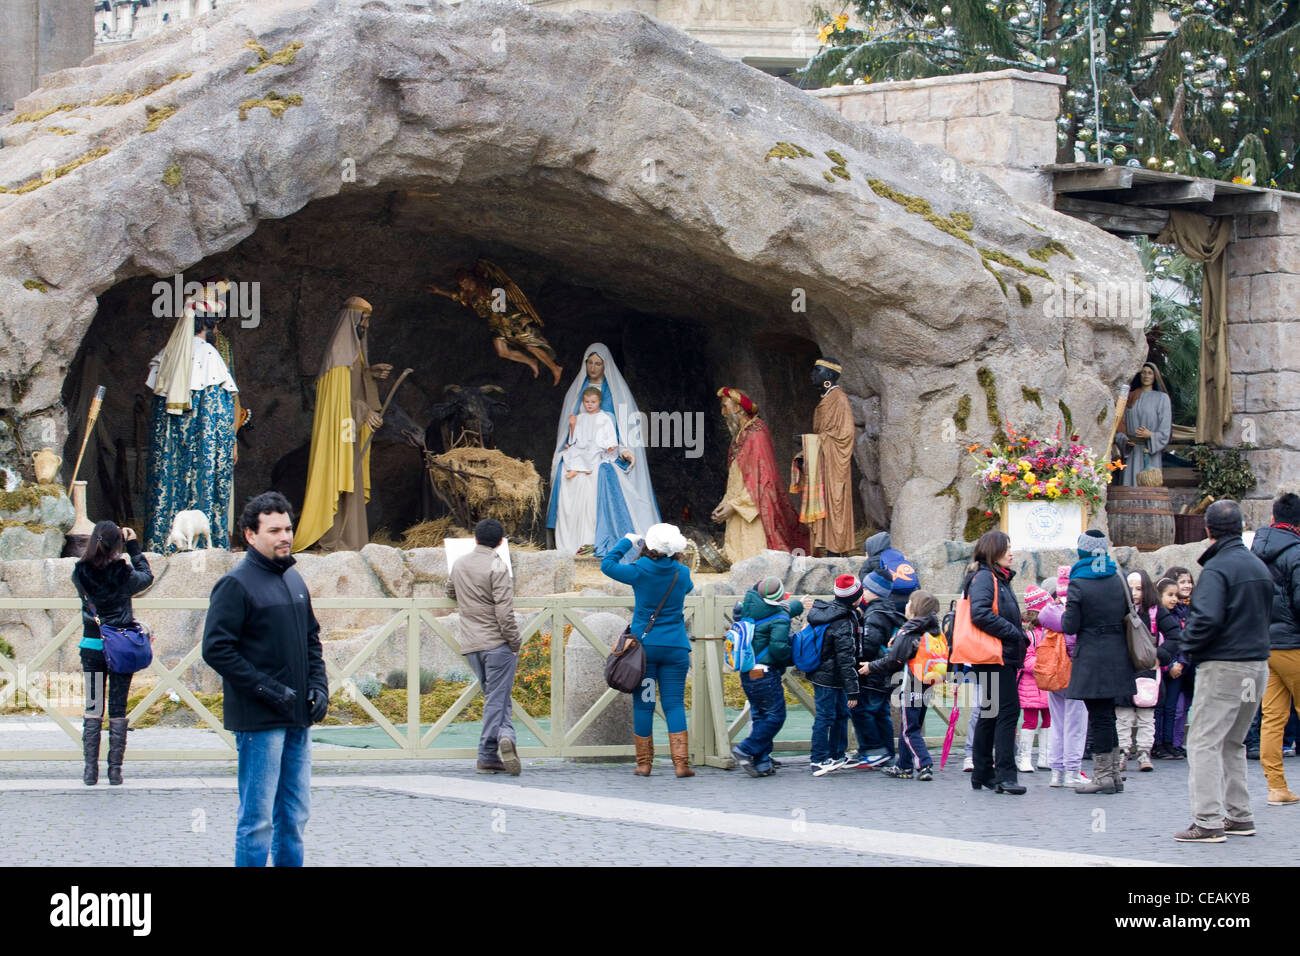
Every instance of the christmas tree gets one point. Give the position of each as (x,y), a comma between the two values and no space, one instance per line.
(1206,88)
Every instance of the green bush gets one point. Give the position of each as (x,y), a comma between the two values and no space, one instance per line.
(397,680)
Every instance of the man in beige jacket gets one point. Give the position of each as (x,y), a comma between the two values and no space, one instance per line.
(481,585)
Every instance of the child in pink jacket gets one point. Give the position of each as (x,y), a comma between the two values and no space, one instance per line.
(1033,701)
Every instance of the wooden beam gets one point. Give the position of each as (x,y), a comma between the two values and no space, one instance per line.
(1129,220)
(1247,205)
(1172,194)
(1091,180)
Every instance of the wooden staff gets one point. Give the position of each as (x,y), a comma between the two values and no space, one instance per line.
(92,416)
(391,392)
(1119,412)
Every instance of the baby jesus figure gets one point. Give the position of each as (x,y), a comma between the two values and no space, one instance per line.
(593,441)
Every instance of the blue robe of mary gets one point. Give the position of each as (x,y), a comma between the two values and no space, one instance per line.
(191,464)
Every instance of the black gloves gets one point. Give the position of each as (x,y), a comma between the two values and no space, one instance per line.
(319,704)
(277,695)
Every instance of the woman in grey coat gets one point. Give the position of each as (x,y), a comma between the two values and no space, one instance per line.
(1095,609)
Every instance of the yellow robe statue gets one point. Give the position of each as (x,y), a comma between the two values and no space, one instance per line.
(338,479)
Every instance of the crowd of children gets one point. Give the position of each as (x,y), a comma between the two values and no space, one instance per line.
(880,624)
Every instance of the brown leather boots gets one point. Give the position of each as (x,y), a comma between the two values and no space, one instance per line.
(678,748)
(645,755)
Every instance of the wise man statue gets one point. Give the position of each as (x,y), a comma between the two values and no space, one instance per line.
(192,434)
(756,506)
(347,413)
(823,467)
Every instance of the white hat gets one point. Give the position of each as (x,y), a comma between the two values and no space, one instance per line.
(665,538)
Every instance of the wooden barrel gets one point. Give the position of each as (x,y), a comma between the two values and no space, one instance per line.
(1141,518)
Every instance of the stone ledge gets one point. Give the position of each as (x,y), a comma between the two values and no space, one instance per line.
(927,82)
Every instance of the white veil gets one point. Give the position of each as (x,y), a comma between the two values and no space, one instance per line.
(645,512)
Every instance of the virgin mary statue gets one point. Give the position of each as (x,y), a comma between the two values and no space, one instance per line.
(618,493)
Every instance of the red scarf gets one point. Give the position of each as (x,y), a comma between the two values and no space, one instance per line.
(1294,529)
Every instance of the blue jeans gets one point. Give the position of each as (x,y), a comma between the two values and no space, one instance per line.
(274,795)
(766,713)
(911,743)
(666,667)
(873,724)
(830,730)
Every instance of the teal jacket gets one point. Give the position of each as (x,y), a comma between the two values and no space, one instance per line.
(771,638)
(650,579)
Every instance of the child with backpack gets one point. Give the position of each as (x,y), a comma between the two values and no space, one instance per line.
(1033,700)
(768,609)
(1068,732)
(921,668)
(834,673)
(882,616)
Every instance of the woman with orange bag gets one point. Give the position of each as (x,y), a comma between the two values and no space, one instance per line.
(995,611)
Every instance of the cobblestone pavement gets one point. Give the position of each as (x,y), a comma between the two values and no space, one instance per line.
(438,812)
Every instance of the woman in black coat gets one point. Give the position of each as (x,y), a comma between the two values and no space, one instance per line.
(994,750)
(1095,609)
(106,578)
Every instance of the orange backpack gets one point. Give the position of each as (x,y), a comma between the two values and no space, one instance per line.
(930,662)
(1052,664)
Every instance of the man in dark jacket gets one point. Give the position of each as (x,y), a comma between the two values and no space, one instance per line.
(262,637)
(835,681)
(1227,638)
(1278,546)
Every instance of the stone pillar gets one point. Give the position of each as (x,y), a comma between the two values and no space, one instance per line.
(1264,352)
(1002,124)
(39,37)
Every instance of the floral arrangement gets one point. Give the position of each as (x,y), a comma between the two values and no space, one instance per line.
(1025,468)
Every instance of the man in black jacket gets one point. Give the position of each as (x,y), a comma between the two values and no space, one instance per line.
(872,721)
(1227,639)
(263,639)
(1278,546)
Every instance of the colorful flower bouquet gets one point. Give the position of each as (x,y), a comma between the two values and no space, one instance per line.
(1053,469)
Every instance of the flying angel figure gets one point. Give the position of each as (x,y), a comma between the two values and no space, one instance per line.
(514,323)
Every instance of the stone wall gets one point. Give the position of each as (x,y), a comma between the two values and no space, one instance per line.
(39,37)
(1264,352)
(1001,124)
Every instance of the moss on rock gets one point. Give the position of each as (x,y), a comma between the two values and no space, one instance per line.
(1052,248)
(59,171)
(1066,416)
(157,114)
(1003,259)
(1031,395)
(977,522)
(172,175)
(35,285)
(987,383)
(784,150)
(272,102)
(281,57)
(1026,297)
(1102,416)
(962,415)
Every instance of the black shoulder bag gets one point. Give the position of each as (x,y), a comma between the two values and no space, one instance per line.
(625,665)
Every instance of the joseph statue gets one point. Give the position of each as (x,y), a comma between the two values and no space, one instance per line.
(347,412)
(823,467)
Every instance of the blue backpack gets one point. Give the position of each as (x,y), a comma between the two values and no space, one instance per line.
(738,643)
(806,646)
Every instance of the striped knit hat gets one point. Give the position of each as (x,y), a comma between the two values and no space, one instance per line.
(771,589)
(847,586)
